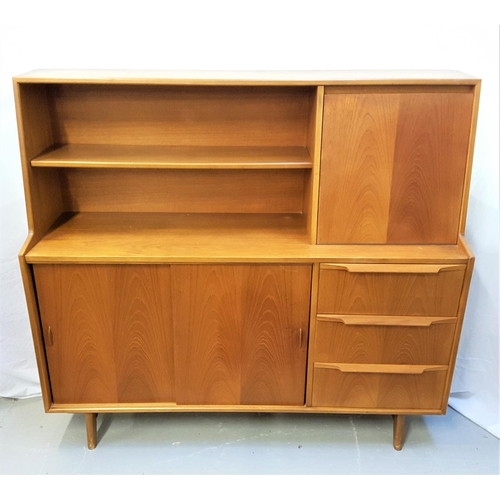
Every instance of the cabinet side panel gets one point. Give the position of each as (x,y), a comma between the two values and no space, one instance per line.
(44,201)
(356,167)
(207,324)
(429,167)
(274,344)
(76,314)
(143,337)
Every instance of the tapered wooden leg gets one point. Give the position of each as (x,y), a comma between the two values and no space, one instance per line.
(91,421)
(398,432)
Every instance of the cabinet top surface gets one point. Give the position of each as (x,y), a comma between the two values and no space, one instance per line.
(163,77)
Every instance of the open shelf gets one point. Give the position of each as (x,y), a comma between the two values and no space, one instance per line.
(134,238)
(173,157)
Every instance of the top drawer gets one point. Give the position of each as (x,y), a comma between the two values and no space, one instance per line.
(390,289)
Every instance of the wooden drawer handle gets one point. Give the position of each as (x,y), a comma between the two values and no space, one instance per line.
(383,369)
(360,320)
(393,268)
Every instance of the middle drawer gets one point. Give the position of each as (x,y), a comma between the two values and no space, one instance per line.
(383,340)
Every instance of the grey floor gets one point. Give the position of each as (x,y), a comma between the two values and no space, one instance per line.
(35,443)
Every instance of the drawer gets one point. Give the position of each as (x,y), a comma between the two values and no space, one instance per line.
(384,387)
(390,289)
(410,340)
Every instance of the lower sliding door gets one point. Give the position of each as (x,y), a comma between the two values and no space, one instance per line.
(107,332)
(241,333)
(185,334)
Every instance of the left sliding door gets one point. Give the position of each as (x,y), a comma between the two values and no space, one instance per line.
(107,332)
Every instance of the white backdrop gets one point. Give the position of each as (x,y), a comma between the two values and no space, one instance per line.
(259,35)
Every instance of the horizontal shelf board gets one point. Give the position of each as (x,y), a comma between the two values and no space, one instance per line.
(173,157)
(88,237)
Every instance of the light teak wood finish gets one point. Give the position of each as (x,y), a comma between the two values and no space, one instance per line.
(241,334)
(277,242)
(399,424)
(110,327)
(173,157)
(390,290)
(397,164)
(91,424)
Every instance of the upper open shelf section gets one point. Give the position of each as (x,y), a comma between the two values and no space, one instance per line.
(171,127)
(174,157)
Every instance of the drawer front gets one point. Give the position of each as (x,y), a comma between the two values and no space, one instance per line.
(349,340)
(390,289)
(342,388)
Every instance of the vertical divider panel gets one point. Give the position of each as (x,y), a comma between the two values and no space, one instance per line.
(312,334)
(311,188)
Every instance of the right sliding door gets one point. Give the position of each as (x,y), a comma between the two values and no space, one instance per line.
(393,164)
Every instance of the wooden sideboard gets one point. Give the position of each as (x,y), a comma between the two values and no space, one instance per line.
(257,242)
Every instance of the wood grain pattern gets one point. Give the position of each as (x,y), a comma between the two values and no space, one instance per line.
(385,344)
(143,333)
(275,334)
(393,167)
(151,115)
(109,343)
(342,292)
(217,187)
(173,157)
(359,135)
(429,168)
(237,333)
(75,303)
(208,334)
(382,391)
(187,238)
(192,191)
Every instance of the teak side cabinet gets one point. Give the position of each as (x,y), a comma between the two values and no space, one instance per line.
(260,242)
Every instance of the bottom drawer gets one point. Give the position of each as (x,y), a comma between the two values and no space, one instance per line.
(402,387)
